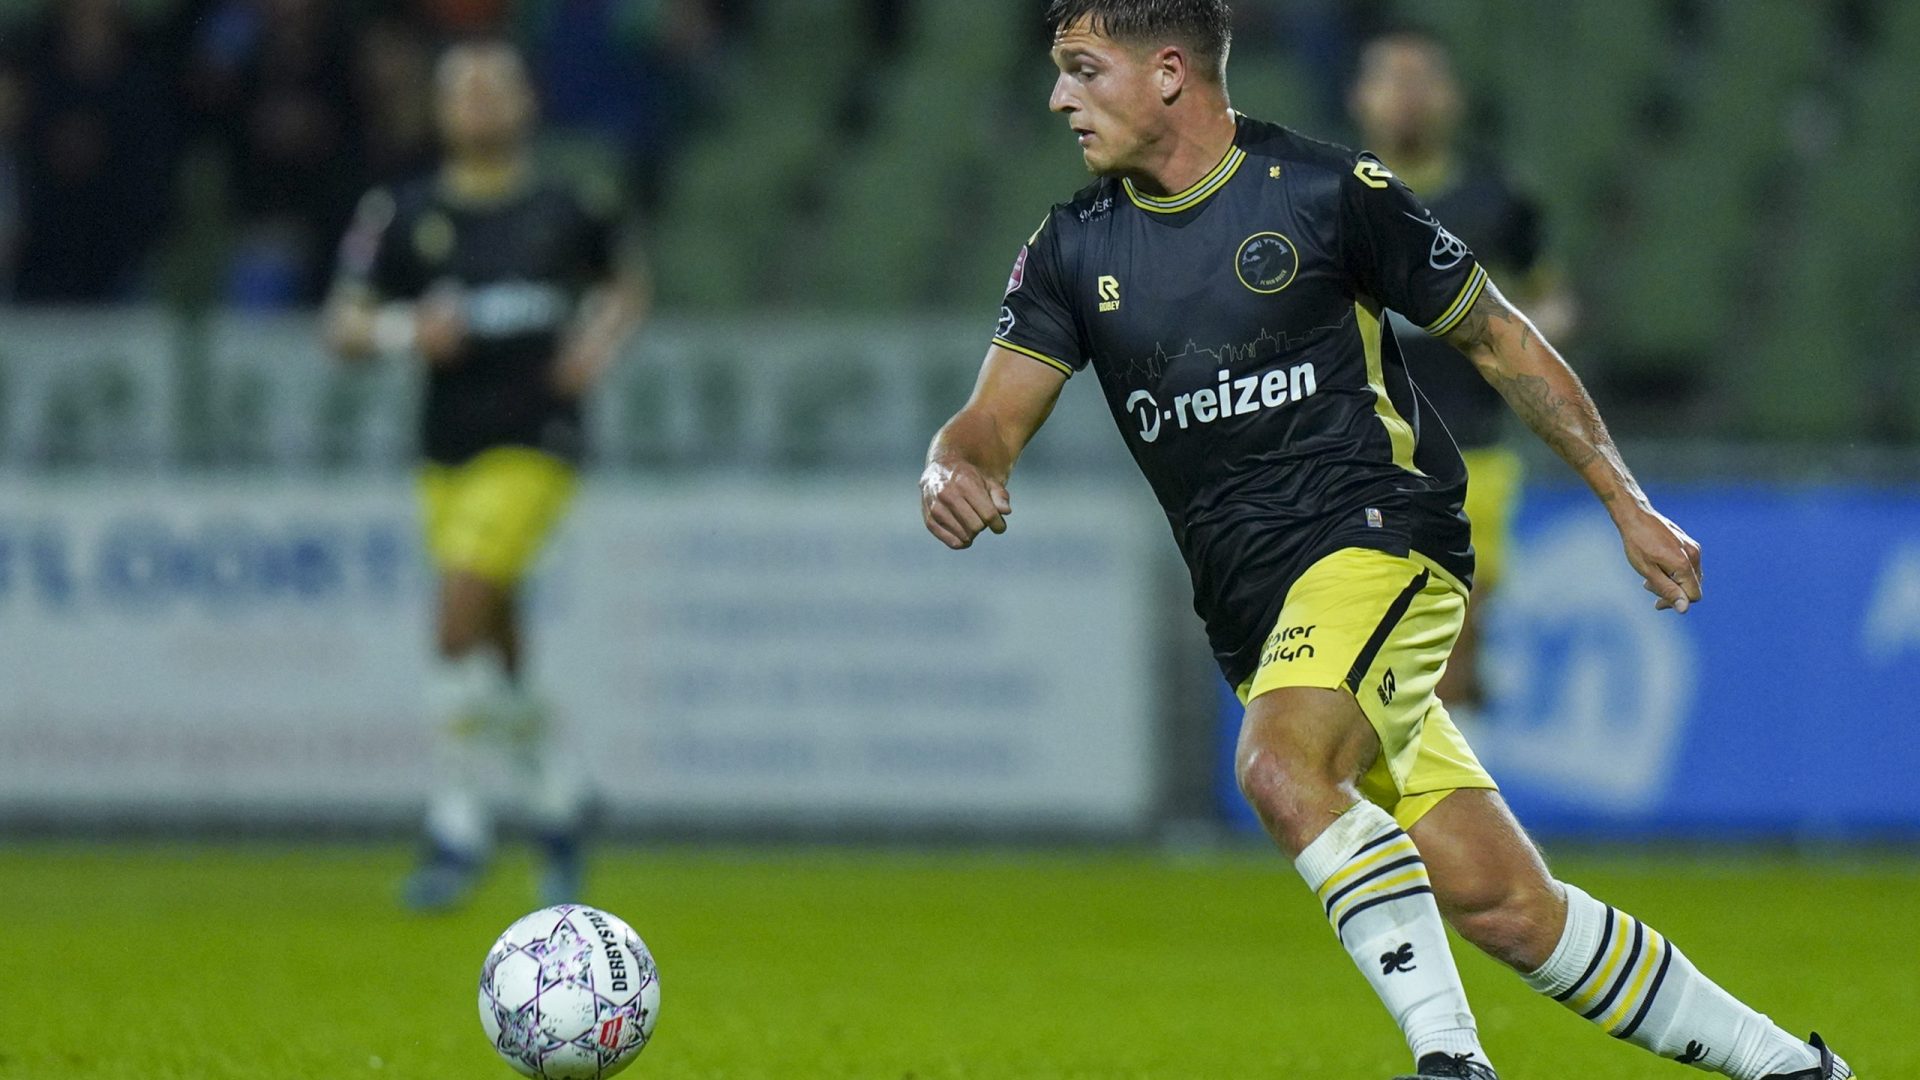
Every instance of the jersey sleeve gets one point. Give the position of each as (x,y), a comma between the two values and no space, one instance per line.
(1036,318)
(1398,253)
(597,204)
(375,254)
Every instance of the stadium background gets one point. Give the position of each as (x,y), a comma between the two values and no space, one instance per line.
(213,609)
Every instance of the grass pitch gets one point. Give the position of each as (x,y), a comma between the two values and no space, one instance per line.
(206,963)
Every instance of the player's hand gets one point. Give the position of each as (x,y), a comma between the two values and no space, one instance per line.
(440,326)
(1663,555)
(959,502)
(578,369)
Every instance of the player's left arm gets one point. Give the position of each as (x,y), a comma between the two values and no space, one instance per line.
(1537,383)
(609,315)
(612,309)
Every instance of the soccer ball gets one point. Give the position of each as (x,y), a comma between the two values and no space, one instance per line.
(569,993)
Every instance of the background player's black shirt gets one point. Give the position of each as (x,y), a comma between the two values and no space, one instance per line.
(522,263)
(1481,207)
(1236,329)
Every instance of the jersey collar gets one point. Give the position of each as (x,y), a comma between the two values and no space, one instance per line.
(1200,192)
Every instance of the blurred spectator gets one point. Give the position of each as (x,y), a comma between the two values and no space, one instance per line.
(393,86)
(268,76)
(629,73)
(95,154)
(12,90)
(467,18)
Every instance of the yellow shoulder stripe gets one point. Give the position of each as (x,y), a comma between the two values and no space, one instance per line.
(1042,357)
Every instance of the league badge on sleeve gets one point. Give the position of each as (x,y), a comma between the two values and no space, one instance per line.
(1019,272)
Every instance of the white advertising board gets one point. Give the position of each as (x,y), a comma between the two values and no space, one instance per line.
(729,652)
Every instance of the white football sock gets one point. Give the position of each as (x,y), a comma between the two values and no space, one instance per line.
(1619,973)
(548,778)
(460,694)
(1374,885)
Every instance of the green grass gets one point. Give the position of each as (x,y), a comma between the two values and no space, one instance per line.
(217,962)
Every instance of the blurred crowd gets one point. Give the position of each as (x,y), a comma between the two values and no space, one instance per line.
(211,150)
(137,137)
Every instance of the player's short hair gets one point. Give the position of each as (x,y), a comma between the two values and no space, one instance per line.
(1205,27)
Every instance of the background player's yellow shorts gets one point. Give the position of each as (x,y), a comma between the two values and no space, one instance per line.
(491,516)
(1494,477)
(1381,627)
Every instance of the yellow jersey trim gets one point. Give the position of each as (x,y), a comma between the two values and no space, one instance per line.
(1042,357)
(1462,304)
(1399,432)
(1193,196)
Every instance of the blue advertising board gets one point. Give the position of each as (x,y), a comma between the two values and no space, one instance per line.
(1787,705)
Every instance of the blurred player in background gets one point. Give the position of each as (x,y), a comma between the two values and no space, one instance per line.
(1408,104)
(513,292)
(1225,280)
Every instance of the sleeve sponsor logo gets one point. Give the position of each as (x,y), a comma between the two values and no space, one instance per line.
(1448,250)
(1007,322)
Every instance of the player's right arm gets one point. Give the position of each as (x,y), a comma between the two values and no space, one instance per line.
(377,305)
(1036,346)
(963,490)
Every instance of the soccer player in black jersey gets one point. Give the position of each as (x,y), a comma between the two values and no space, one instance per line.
(1408,103)
(1227,281)
(511,290)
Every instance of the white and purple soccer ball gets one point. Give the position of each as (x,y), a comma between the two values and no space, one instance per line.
(569,993)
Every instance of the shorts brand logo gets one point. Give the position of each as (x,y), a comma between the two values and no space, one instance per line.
(1289,644)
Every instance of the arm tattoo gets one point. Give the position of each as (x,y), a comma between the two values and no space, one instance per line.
(1534,380)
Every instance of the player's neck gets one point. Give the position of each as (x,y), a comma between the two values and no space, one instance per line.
(1190,152)
(485,177)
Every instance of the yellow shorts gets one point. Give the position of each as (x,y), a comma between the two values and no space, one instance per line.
(1381,627)
(491,516)
(1494,478)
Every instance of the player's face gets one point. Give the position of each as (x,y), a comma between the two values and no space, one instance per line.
(1111,96)
(1405,95)
(485,102)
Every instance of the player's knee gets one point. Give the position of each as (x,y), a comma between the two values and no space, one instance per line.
(1292,786)
(470,609)
(461,629)
(1512,920)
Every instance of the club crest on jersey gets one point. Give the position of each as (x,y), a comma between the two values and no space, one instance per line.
(1267,262)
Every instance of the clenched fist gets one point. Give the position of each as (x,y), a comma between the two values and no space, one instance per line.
(959,502)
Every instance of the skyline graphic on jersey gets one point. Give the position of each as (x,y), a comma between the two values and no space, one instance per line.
(1265,346)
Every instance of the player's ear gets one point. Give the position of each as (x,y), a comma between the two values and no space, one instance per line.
(1170,71)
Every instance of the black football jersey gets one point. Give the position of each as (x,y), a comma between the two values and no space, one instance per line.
(522,264)
(1238,332)
(1482,207)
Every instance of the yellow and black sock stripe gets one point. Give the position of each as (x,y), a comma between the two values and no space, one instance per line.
(1623,978)
(1386,868)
